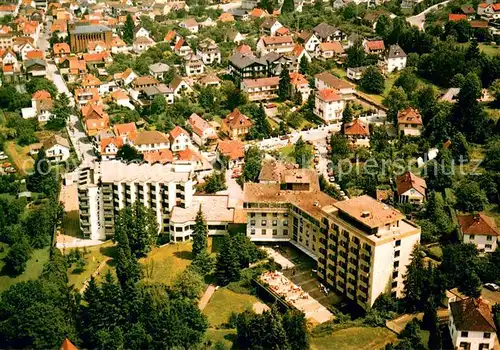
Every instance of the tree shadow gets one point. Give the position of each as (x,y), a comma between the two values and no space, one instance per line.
(232,338)
(184,255)
(109,251)
(5,271)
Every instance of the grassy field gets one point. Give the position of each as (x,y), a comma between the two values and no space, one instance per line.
(287,153)
(356,338)
(490,50)
(19,156)
(163,264)
(224,302)
(33,269)
(225,336)
(96,255)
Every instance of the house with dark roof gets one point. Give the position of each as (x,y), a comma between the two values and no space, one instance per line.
(57,148)
(411,188)
(395,59)
(471,325)
(480,230)
(243,66)
(270,26)
(327,33)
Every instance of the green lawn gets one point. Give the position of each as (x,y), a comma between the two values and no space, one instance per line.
(225,336)
(34,267)
(94,256)
(224,302)
(490,50)
(163,264)
(287,153)
(355,338)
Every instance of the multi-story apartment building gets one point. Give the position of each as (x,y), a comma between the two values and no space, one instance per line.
(367,247)
(209,52)
(328,105)
(112,185)
(193,65)
(362,246)
(242,66)
(261,89)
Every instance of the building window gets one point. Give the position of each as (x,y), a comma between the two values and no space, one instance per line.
(264,222)
(275,232)
(484,346)
(398,243)
(486,335)
(489,238)
(285,232)
(395,274)
(397,253)
(472,237)
(275,222)
(285,222)
(252,215)
(464,334)
(394,284)
(252,222)
(396,264)
(252,231)
(264,231)
(275,215)
(488,246)
(264,215)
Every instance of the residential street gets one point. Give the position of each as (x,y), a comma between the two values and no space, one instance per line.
(419,20)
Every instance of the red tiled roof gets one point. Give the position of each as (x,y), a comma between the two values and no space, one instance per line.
(124,129)
(479,24)
(161,156)
(226,17)
(297,50)
(244,49)
(356,127)
(410,116)
(68,345)
(298,79)
(257,12)
(477,224)
(333,46)
(455,17)
(41,95)
(176,132)
(61,48)
(273,40)
(170,35)
(234,149)
(496,7)
(261,82)
(188,155)
(408,181)
(237,120)
(179,44)
(375,45)
(329,95)
(283,31)
(472,315)
(117,141)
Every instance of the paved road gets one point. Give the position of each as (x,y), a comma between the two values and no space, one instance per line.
(419,20)
(226,7)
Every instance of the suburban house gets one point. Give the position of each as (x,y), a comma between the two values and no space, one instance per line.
(193,65)
(410,122)
(309,40)
(41,107)
(180,87)
(300,85)
(471,325)
(328,105)
(146,141)
(243,66)
(158,70)
(182,48)
(142,44)
(126,77)
(357,132)
(110,147)
(329,50)
(236,125)
(84,96)
(210,80)
(232,151)
(374,47)
(270,26)
(326,80)
(57,148)
(355,73)
(327,33)
(395,59)
(279,44)
(190,24)
(411,188)
(479,229)
(179,139)
(209,52)
(203,132)
(94,118)
(261,89)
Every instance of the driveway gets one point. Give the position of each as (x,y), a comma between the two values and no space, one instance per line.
(419,20)
(81,143)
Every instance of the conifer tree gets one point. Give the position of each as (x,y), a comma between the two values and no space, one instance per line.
(304,65)
(288,6)
(227,268)
(128,30)
(284,88)
(200,233)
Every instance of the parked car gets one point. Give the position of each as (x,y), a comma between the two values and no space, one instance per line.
(332,179)
(492,286)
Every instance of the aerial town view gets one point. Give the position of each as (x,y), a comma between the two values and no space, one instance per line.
(273,174)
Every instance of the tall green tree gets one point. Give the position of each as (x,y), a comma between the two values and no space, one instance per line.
(288,6)
(200,234)
(253,163)
(139,225)
(396,100)
(304,65)
(459,266)
(261,128)
(128,30)
(295,326)
(17,258)
(372,81)
(470,196)
(356,56)
(285,86)
(128,269)
(347,115)
(303,153)
(227,268)
(129,153)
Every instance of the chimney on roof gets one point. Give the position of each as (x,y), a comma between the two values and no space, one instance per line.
(365,214)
